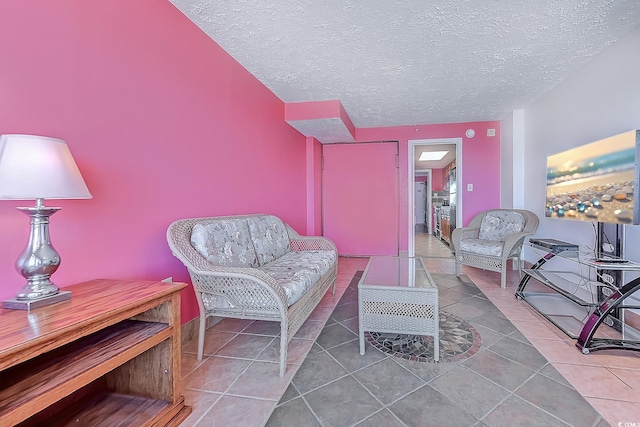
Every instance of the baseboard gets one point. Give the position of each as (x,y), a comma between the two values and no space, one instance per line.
(189,330)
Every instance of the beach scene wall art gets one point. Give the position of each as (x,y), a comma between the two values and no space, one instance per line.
(597,181)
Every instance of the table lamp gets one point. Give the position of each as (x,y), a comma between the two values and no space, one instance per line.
(37,168)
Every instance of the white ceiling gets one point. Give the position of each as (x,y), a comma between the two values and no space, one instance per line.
(410,62)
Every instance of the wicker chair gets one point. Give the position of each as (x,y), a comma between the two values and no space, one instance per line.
(492,238)
(249,292)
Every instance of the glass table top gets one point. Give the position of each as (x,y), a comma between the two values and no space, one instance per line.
(389,271)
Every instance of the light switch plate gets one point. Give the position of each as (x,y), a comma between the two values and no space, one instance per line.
(469,187)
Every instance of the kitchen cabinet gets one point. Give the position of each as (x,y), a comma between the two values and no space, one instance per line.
(445,229)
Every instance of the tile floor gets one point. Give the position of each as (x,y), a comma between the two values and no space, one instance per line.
(237,383)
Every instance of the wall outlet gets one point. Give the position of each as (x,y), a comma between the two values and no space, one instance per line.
(491,132)
(168,279)
(607,278)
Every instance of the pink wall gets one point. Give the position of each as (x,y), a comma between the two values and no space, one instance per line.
(480,163)
(162,123)
(421,178)
(314,187)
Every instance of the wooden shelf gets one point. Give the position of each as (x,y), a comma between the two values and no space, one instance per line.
(104,364)
(106,409)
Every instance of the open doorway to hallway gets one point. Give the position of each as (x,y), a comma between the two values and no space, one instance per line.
(433,177)
(429,246)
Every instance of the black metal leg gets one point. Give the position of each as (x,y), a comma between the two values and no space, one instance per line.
(586,342)
(526,277)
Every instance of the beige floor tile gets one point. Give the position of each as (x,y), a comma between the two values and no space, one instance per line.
(631,377)
(296,351)
(617,359)
(213,341)
(310,329)
(262,380)
(238,411)
(231,325)
(188,363)
(321,314)
(537,329)
(616,412)
(200,403)
(557,351)
(245,346)
(330,300)
(216,374)
(517,313)
(597,381)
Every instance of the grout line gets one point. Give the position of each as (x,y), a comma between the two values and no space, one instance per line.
(204,414)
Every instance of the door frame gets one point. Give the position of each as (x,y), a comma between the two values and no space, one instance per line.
(412,143)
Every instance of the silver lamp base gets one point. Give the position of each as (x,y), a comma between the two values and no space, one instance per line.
(37,263)
(16,304)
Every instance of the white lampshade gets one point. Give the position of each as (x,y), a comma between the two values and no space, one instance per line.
(38,167)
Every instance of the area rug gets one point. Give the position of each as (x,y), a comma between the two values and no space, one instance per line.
(458,340)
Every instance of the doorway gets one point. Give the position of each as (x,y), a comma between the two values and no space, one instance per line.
(422,201)
(439,183)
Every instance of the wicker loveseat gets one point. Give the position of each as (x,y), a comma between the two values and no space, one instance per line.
(492,238)
(254,267)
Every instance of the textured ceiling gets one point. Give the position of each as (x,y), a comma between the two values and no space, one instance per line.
(411,62)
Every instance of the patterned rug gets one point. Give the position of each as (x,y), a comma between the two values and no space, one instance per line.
(458,340)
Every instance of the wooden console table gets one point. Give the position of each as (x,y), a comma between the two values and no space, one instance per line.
(108,356)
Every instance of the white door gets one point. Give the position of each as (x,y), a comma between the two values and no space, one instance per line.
(420,200)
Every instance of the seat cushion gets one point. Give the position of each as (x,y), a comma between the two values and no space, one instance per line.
(225,242)
(482,247)
(498,225)
(270,238)
(297,272)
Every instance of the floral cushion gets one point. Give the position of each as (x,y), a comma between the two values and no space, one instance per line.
(482,246)
(225,242)
(270,238)
(297,272)
(499,225)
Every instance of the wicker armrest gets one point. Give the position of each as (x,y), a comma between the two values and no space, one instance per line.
(238,280)
(463,233)
(513,243)
(309,243)
(240,272)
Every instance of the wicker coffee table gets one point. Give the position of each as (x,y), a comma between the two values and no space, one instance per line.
(397,295)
